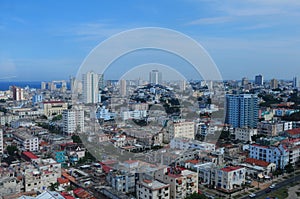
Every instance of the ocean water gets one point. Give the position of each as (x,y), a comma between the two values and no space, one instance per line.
(5,85)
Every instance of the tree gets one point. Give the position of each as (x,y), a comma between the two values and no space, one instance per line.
(53,186)
(76,139)
(12,150)
(196,196)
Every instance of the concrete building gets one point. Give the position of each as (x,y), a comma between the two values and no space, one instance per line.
(242,110)
(136,114)
(185,144)
(18,93)
(123,181)
(267,150)
(245,134)
(155,77)
(227,179)
(90,87)
(73,120)
(48,195)
(182,182)
(271,128)
(123,87)
(182,129)
(153,189)
(53,108)
(274,84)
(26,141)
(39,176)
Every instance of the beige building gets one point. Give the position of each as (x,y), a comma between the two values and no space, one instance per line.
(40,176)
(182,182)
(52,108)
(153,189)
(181,129)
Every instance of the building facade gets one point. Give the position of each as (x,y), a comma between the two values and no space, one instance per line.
(90,87)
(73,121)
(242,110)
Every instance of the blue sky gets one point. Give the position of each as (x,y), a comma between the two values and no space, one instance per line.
(45,40)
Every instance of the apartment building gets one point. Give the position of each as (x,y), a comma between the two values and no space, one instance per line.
(153,189)
(26,141)
(182,182)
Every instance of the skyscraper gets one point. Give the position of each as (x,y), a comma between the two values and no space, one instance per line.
(259,80)
(123,87)
(90,87)
(242,110)
(101,81)
(155,77)
(296,82)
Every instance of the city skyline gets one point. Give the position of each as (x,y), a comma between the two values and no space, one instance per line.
(243,38)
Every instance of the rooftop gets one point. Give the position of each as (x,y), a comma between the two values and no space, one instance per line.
(229,169)
(257,162)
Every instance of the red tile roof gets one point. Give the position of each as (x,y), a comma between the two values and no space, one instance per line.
(257,162)
(67,196)
(229,169)
(30,155)
(295,131)
(62,180)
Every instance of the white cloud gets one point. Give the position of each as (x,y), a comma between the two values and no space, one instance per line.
(211,20)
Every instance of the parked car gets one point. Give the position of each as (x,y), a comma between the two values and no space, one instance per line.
(272,186)
(252,195)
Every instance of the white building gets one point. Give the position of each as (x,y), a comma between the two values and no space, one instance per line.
(104,113)
(270,153)
(227,179)
(136,114)
(153,189)
(45,195)
(273,128)
(245,134)
(185,144)
(73,120)
(155,77)
(182,183)
(123,87)
(26,141)
(90,87)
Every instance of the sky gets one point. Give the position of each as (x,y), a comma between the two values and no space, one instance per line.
(48,40)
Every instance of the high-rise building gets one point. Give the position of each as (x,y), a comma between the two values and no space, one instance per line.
(242,110)
(18,93)
(73,120)
(44,85)
(123,87)
(155,77)
(90,87)
(101,81)
(274,84)
(259,80)
(296,82)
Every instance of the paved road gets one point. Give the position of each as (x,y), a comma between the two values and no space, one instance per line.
(278,185)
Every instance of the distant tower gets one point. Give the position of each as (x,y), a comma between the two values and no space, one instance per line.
(123,89)
(244,81)
(274,84)
(259,80)
(18,93)
(155,77)
(296,82)
(101,81)
(44,85)
(90,87)
(182,85)
(242,110)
